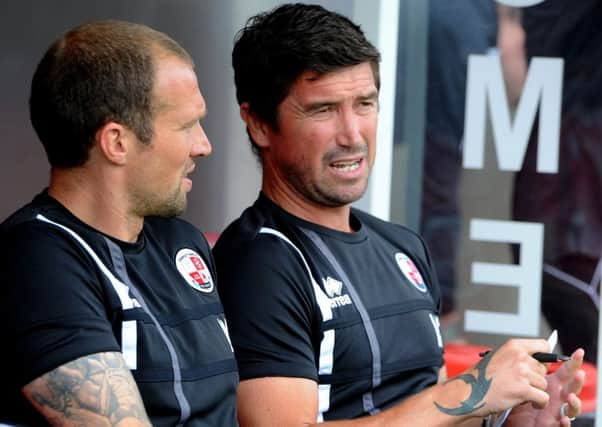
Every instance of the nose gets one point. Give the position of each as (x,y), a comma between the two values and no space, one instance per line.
(349,128)
(201,146)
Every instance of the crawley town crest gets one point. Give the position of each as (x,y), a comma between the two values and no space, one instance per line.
(409,270)
(194,270)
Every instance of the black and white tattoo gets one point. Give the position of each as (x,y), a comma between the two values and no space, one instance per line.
(93,390)
(479,386)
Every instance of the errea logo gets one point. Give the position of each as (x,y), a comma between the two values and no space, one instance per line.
(334,289)
(332,286)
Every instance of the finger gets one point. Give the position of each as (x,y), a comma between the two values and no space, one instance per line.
(568,369)
(539,399)
(574,407)
(537,379)
(540,368)
(576,384)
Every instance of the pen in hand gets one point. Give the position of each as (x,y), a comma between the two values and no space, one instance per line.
(540,357)
(550,357)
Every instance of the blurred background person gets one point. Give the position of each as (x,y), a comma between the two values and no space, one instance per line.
(569,203)
(455,31)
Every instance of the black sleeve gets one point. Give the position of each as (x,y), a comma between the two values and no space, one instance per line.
(270,308)
(431,276)
(51,304)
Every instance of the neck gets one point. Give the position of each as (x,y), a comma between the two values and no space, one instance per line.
(93,200)
(333,217)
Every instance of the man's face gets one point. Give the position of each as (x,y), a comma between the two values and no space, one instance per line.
(159,182)
(324,148)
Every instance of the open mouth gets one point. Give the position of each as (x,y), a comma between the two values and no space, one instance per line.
(347,165)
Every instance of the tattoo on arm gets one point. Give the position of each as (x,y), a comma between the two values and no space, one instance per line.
(93,390)
(479,386)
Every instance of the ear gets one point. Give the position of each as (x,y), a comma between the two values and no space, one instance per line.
(257,128)
(113,142)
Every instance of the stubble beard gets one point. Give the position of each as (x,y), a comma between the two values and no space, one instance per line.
(169,207)
(325,193)
(325,190)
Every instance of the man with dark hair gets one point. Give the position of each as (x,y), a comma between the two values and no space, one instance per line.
(333,312)
(108,304)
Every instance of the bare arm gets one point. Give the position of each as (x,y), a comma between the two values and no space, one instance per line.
(93,390)
(279,401)
(511,45)
(504,379)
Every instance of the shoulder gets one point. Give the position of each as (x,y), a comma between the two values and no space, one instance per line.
(256,232)
(268,298)
(46,270)
(45,243)
(43,222)
(395,233)
(19,219)
(261,249)
(38,238)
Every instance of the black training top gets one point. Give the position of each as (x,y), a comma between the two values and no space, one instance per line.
(356,312)
(68,291)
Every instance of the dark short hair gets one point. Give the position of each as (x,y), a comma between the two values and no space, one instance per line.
(275,48)
(95,73)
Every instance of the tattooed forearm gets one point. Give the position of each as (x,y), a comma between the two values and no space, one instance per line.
(479,386)
(93,390)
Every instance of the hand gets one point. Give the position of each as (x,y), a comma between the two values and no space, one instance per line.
(516,376)
(503,379)
(563,386)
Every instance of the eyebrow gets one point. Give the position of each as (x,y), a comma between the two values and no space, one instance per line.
(373,95)
(369,97)
(196,120)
